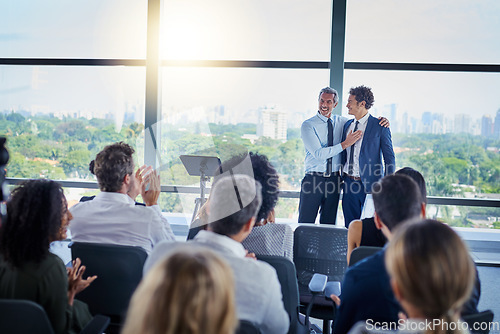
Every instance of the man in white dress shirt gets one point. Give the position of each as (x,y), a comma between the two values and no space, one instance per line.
(112,216)
(234,203)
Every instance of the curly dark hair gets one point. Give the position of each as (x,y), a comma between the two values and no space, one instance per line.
(266,174)
(112,164)
(363,93)
(35,213)
(91,167)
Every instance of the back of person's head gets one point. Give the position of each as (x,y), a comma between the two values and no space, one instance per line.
(418,178)
(35,213)
(190,292)
(234,200)
(431,267)
(112,164)
(396,199)
(262,171)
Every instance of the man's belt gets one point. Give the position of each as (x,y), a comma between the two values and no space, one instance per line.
(323,174)
(355,178)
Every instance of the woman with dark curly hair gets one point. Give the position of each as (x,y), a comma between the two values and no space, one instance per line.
(38,215)
(268,238)
(265,239)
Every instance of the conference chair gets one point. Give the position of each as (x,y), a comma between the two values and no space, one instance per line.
(319,249)
(119,271)
(247,327)
(19,316)
(479,323)
(289,289)
(362,252)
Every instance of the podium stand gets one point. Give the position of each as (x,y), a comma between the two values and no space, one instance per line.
(204,167)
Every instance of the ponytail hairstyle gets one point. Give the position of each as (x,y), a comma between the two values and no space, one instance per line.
(431,266)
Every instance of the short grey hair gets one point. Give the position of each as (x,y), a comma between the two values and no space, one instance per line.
(329,90)
(234,200)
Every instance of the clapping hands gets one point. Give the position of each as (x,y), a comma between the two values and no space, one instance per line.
(76,283)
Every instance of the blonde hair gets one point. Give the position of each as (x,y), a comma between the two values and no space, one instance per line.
(189,292)
(433,270)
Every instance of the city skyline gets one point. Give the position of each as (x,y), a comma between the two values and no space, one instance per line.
(401,122)
(383,31)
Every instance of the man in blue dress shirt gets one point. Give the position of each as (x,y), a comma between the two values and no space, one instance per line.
(322,136)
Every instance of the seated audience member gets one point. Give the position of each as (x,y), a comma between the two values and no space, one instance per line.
(133,193)
(234,203)
(366,291)
(112,216)
(38,215)
(267,238)
(365,233)
(432,275)
(191,291)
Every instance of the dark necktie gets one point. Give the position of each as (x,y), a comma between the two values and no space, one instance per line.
(330,143)
(351,155)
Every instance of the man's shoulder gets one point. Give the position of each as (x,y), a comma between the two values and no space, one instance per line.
(93,205)
(367,268)
(255,270)
(311,121)
(375,123)
(160,250)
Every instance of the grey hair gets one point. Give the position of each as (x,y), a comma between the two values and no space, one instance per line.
(329,90)
(234,200)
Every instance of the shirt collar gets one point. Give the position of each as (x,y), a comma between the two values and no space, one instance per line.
(363,119)
(115,197)
(231,245)
(323,118)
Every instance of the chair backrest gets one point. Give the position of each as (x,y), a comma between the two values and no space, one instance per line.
(119,271)
(289,289)
(320,249)
(193,232)
(361,252)
(23,317)
(479,323)
(247,327)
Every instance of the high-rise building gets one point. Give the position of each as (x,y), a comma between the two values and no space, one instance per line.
(437,124)
(405,127)
(486,126)
(496,131)
(427,122)
(463,124)
(272,123)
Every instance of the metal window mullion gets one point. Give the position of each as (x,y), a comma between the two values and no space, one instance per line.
(152,113)
(337,49)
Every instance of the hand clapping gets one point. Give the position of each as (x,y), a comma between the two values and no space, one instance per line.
(76,283)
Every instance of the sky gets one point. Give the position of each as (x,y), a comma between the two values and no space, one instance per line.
(436,31)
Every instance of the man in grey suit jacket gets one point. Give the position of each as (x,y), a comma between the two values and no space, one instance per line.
(234,203)
(362,162)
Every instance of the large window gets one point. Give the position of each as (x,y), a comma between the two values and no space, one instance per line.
(432,67)
(239,76)
(424,31)
(57,118)
(73,29)
(246,30)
